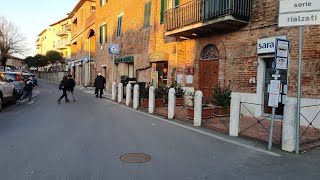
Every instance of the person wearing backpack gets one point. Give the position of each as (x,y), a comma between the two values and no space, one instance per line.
(27,90)
(64,87)
(70,85)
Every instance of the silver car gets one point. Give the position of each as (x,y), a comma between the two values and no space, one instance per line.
(7,93)
(15,78)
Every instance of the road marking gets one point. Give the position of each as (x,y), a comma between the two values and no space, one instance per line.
(201,132)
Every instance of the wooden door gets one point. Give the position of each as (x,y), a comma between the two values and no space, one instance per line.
(209,78)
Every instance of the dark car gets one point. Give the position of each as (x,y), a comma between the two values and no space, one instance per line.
(15,78)
(34,78)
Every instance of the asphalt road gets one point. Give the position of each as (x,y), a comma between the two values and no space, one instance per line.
(83,140)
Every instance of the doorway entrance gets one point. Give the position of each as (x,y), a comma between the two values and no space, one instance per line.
(161,69)
(283,90)
(209,71)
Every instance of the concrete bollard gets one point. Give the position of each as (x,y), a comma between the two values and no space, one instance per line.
(136,96)
(234,115)
(289,125)
(151,100)
(114,91)
(128,94)
(120,92)
(171,103)
(197,108)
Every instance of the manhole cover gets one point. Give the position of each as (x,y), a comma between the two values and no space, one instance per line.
(135,158)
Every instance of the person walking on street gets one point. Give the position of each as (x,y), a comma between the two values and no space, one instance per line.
(99,83)
(64,87)
(70,85)
(27,90)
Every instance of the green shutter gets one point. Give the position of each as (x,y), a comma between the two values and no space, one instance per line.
(119,26)
(105,33)
(163,9)
(147,14)
(176,3)
(101,2)
(101,34)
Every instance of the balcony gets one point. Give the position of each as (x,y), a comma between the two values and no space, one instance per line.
(39,44)
(61,46)
(63,32)
(199,18)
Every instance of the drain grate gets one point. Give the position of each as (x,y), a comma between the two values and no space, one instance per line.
(135,158)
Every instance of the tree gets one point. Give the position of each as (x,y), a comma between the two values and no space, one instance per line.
(37,61)
(12,42)
(54,56)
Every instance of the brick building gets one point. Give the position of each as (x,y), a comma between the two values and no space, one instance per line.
(83,42)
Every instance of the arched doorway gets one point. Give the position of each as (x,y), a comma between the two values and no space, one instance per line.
(209,70)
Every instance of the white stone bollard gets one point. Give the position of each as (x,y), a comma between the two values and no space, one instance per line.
(171,103)
(289,125)
(120,92)
(128,94)
(151,100)
(114,91)
(197,108)
(234,115)
(136,96)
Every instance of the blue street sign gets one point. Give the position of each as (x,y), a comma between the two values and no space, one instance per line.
(113,49)
(85,59)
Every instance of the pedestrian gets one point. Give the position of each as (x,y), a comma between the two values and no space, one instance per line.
(99,83)
(64,87)
(27,90)
(70,85)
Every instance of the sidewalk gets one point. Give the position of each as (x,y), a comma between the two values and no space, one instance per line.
(255,129)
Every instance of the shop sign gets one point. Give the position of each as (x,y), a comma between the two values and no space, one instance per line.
(127,59)
(117,60)
(154,75)
(158,56)
(267,45)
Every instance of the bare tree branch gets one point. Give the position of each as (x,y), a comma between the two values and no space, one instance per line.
(12,41)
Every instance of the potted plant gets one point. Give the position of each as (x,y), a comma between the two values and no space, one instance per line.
(179,91)
(160,93)
(221,100)
(144,96)
(207,109)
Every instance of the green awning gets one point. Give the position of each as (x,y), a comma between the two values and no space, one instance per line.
(127,59)
(117,60)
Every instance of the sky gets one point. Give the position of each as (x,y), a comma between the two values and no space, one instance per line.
(33,16)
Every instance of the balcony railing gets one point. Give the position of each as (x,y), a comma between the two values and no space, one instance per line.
(205,10)
(63,32)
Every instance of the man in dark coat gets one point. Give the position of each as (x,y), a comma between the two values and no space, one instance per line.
(70,85)
(99,83)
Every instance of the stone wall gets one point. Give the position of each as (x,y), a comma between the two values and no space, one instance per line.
(54,77)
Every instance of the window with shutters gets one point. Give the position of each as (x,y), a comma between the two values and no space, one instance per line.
(165,5)
(103,34)
(147,14)
(103,2)
(118,34)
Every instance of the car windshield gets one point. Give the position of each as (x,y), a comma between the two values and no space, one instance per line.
(13,77)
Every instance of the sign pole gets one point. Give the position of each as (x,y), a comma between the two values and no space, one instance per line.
(272,118)
(299,91)
(112,67)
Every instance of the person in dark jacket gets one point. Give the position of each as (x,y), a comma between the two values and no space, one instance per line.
(27,90)
(70,85)
(99,83)
(64,87)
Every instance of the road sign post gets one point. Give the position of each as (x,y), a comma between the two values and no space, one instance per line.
(113,49)
(299,13)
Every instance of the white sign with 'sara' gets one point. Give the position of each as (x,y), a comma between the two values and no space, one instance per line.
(268,45)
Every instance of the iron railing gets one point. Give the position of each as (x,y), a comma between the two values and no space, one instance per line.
(204,10)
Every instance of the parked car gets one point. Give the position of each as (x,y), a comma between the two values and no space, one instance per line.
(15,78)
(7,93)
(34,78)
